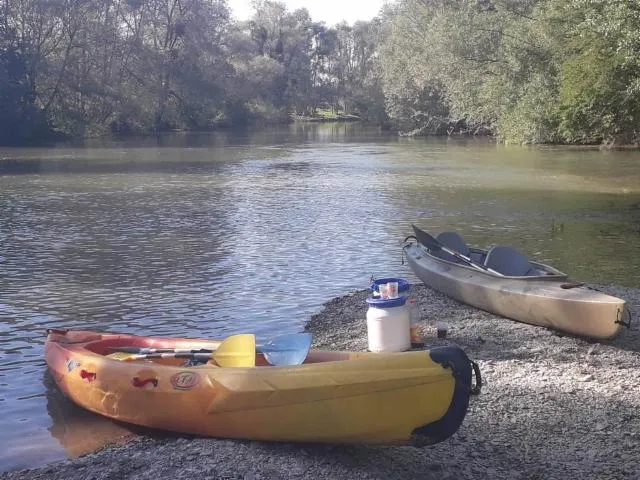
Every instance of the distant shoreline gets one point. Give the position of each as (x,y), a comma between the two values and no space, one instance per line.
(326,119)
(56,139)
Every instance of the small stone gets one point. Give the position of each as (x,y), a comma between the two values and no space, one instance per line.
(586,378)
(598,427)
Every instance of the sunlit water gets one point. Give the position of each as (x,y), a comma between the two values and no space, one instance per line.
(208,235)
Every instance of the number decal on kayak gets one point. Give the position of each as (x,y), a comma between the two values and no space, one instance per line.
(185,380)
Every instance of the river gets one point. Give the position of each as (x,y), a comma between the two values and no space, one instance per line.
(252,231)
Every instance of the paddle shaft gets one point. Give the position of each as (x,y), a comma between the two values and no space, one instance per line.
(470,262)
(145,350)
(200,356)
(235,351)
(431,243)
(282,350)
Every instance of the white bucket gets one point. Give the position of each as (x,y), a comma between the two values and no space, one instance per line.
(388,325)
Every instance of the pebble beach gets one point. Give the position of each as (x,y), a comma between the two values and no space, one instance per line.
(553,406)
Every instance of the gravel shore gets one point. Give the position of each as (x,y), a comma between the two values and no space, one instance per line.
(553,406)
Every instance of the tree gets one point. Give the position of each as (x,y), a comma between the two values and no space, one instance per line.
(21,121)
(600,90)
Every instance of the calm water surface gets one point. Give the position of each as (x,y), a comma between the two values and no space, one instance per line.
(208,235)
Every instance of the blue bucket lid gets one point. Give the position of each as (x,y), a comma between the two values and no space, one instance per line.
(378,302)
(403,285)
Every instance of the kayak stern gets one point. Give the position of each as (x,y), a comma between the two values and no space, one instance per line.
(463,369)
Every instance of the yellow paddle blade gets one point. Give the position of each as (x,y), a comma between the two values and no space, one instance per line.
(121,356)
(236,351)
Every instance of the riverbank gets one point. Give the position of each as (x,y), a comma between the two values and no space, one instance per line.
(553,407)
(326,117)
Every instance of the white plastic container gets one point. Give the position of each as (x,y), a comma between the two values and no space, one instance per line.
(388,325)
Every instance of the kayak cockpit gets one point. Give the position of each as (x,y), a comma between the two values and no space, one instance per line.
(503,259)
(108,344)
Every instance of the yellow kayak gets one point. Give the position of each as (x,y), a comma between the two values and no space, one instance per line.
(417,397)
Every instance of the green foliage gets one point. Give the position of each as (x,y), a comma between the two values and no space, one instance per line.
(21,121)
(527,71)
(94,67)
(524,71)
(600,91)
(532,119)
(589,84)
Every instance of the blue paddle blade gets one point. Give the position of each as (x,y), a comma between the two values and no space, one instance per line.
(286,349)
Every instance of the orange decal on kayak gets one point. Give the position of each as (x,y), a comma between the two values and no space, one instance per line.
(143,382)
(87,375)
(185,380)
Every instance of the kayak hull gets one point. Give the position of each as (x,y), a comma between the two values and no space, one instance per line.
(334,397)
(536,300)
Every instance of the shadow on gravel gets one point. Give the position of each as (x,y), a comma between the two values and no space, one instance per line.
(517,432)
(484,336)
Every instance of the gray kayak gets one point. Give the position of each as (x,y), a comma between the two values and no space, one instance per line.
(533,293)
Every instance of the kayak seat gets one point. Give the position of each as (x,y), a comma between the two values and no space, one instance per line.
(508,261)
(477,257)
(454,242)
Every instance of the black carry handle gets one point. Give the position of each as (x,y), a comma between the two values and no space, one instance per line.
(621,321)
(403,247)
